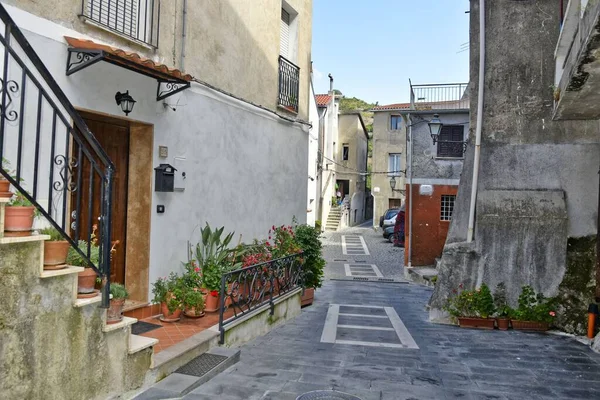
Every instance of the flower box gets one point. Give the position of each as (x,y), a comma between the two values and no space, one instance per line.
(479,323)
(530,325)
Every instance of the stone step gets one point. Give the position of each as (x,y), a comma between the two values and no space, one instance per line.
(193,374)
(23,239)
(60,272)
(139,343)
(86,302)
(125,323)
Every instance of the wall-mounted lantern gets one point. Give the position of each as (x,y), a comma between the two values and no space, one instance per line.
(435,127)
(125,101)
(164,178)
(393,185)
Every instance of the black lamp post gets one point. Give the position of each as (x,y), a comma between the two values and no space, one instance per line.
(125,101)
(435,127)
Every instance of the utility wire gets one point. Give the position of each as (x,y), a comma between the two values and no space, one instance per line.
(363,173)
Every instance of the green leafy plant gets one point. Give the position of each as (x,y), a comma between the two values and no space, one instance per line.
(214,256)
(193,275)
(74,258)
(118,291)
(193,299)
(283,241)
(308,240)
(484,302)
(502,308)
(477,303)
(55,235)
(169,290)
(534,307)
(6,167)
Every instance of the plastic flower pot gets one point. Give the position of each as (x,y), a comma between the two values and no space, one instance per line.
(530,326)
(502,323)
(478,323)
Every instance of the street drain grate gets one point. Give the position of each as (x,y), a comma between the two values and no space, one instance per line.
(360,261)
(385,280)
(202,364)
(327,395)
(338,259)
(357,278)
(367,279)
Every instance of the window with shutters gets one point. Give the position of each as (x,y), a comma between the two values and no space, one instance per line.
(450,141)
(396,122)
(135,19)
(394,167)
(284,45)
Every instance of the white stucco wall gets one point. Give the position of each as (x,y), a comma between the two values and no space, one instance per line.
(246,168)
(313,153)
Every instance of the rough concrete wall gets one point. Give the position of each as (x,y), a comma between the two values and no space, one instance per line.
(429,231)
(426,164)
(386,141)
(524,154)
(231,44)
(50,349)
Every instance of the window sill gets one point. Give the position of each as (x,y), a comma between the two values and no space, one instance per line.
(287,109)
(450,158)
(116,33)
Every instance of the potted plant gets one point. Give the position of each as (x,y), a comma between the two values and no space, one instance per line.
(502,309)
(214,257)
(535,312)
(169,292)
(193,303)
(472,308)
(118,295)
(4,183)
(56,249)
(314,263)
(18,216)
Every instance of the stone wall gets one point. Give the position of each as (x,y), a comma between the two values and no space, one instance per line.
(48,348)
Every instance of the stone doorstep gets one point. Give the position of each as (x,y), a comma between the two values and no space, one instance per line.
(59,272)
(23,239)
(421,275)
(125,323)
(139,343)
(183,384)
(86,302)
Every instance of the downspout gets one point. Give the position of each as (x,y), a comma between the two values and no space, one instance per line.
(480,90)
(183,36)
(410,192)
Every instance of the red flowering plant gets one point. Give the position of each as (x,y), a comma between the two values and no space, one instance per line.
(284,241)
(257,253)
(193,275)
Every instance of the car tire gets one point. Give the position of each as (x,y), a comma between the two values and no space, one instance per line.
(391,238)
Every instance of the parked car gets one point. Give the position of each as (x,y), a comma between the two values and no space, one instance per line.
(388,233)
(387,216)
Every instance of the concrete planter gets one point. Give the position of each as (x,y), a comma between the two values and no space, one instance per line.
(530,326)
(478,323)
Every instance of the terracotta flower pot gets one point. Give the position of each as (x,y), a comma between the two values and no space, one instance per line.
(168,316)
(193,312)
(530,326)
(212,302)
(55,254)
(308,297)
(18,219)
(86,280)
(502,323)
(115,311)
(479,323)
(5,189)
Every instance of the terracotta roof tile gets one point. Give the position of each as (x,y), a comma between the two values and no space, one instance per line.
(323,100)
(130,56)
(389,107)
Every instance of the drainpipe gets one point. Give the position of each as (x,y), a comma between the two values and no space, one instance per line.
(480,93)
(183,36)
(410,192)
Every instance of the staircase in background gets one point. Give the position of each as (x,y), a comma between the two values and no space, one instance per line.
(334,218)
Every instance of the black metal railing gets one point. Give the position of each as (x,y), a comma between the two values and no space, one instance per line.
(289,84)
(137,19)
(55,161)
(248,289)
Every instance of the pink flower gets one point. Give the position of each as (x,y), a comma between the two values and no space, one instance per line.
(269,237)
(552,314)
(268,244)
(273,227)
(197,269)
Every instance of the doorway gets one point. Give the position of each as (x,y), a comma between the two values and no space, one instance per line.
(395,203)
(114,137)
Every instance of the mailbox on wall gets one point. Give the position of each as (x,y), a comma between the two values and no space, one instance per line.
(164,178)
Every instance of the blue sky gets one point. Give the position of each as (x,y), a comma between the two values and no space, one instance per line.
(373,47)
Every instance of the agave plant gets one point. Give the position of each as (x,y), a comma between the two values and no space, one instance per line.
(214,256)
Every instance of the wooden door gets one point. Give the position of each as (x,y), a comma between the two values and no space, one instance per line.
(113,136)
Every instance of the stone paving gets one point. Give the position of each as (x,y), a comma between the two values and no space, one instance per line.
(449,363)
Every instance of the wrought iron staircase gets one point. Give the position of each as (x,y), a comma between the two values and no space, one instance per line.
(58,164)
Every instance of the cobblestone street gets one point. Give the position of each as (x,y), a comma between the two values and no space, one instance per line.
(373,340)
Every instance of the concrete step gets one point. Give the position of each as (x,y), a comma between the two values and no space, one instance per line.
(125,323)
(422,275)
(139,343)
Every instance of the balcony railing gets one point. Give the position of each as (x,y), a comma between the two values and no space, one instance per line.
(435,97)
(138,20)
(56,164)
(289,84)
(255,287)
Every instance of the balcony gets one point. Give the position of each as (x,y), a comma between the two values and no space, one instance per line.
(289,84)
(439,97)
(136,20)
(577,68)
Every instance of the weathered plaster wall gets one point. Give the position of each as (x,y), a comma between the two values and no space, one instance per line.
(313,192)
(52,350)
(386,141)
(246,168)
(231,44)
(525,155)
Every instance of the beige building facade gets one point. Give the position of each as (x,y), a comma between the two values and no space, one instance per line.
(389,158)
(233,45)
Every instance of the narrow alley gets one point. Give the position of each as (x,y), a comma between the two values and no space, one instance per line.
(371,338)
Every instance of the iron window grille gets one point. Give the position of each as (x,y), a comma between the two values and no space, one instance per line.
(395,122)
(451,142)
(447,207)
(289,84)
(136,19)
